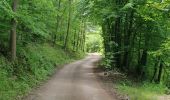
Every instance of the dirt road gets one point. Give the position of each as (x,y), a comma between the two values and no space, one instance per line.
(75,81)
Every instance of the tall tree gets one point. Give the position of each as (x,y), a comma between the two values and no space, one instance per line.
(58,21)
(13,31)
(68,25)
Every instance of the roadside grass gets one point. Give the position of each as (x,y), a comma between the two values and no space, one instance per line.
(141,91)
(35,63)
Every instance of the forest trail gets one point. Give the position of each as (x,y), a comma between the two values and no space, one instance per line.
(75,81)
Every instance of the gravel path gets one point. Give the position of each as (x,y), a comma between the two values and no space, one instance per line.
(75,81)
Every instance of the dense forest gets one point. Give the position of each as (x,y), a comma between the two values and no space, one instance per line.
(58,22)
(37,35)
(136,36)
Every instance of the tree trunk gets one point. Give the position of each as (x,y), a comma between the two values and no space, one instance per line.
(160,72)
(13,32)
(155,70)
(84,36)
(68,26)
(77,44)
(74,41)
(127,55)
(139,48)
(81,38)
(126,40)
(58,19)
(105,38)
(117,38)
(143,63)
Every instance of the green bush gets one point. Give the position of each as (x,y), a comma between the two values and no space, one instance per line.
(107,61)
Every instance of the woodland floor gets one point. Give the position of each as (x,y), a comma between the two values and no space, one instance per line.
(75,81)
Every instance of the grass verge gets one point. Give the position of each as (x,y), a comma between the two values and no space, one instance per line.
(34,64)
(141,91)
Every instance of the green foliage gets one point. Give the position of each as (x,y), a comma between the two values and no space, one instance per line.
(135,35)
(107,61)
(146,91)
(35,64)
(94,41)
(136,40)
(40,24)
(131,30)
(42,21)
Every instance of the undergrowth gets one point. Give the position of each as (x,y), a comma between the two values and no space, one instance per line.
(141,91)
(34,64)
(130,87)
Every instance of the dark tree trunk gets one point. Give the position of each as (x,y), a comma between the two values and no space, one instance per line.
(126,42)
(77,43)
(139,48)
(13,32)
(160,72)
(68,26)
(84,36)
(127,54)
(143,63)
(155,70)
(117,39)
(74,41)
